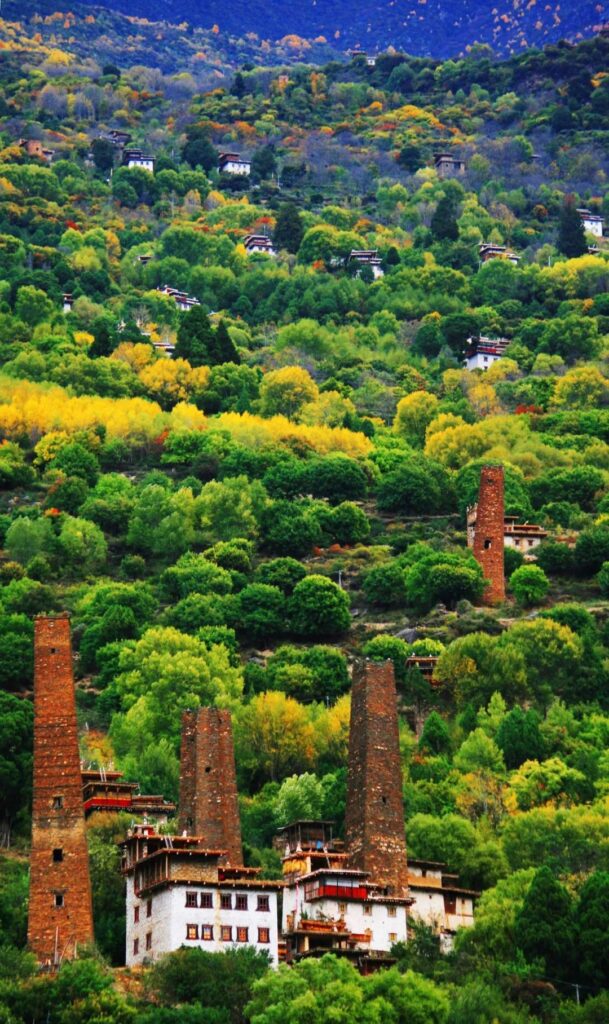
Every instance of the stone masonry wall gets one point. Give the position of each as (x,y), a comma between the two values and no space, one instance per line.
(208,783)
(60,911)
(489,532)
(374,824)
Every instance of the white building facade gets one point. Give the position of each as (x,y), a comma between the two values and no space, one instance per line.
(211,917)
(438,900)
(340,908)
(593,224)
(233,163)
(181,894)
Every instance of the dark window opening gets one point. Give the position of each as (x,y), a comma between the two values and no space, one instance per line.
(57,854)
(208,769)
(57,803)
(189,822)
(149,940)
(240,902)
(207,900)
(384,799)
(226,901)
(136,946)
(59,899)
(53,650)
(149,908)
(191,899)
(487,543)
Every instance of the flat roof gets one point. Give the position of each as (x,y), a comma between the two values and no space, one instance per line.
(341,872)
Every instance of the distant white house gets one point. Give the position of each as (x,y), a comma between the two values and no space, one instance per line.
(259,243)
(368,258)
(183,301)
(593,224)
(136,158)
(483,352)
(490,251)
(233,163)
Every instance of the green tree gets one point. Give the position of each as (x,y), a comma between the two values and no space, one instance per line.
(592,918)
(289,228)
(545,927)
(318,607)
(103,154)
(76,460)
(331,991)
(199,152)
(290,529)
(220,981)
(519,737)
(284,573)
(529,585)
(300,798)
(264,163)
(16,652)
(444,225)
(82,545)
(103,836)
(385,585)
(435,737)
(16,724)
(571,235)
(224,348)
(32,305)
(26,538)
(261,612)
(479,753)
(196,341)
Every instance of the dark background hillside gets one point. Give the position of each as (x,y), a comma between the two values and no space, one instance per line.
(439,28)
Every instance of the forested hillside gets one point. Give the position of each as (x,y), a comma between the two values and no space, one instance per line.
(238,498)
(436,28)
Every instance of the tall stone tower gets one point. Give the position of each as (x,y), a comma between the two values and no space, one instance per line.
(209,805)
(489,532)
(60,912)
(374,822)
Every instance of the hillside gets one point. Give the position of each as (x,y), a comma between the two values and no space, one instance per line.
(436,28)
(242,419)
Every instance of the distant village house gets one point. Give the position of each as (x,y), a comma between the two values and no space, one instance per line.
(592,223)
(233,163)
(490,251)
(483,352)
(35,148)
(448,166)
(106,790)
(439,901)
(368,258)
(183,301)
(259,243)
(136,158)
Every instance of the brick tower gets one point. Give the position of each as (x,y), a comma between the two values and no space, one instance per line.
(60,911)
(489,532)
(374,821)
(208,783)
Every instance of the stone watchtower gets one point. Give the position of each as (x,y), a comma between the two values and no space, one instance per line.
(489,532)
(208,782)
(60,912)
(374,824)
